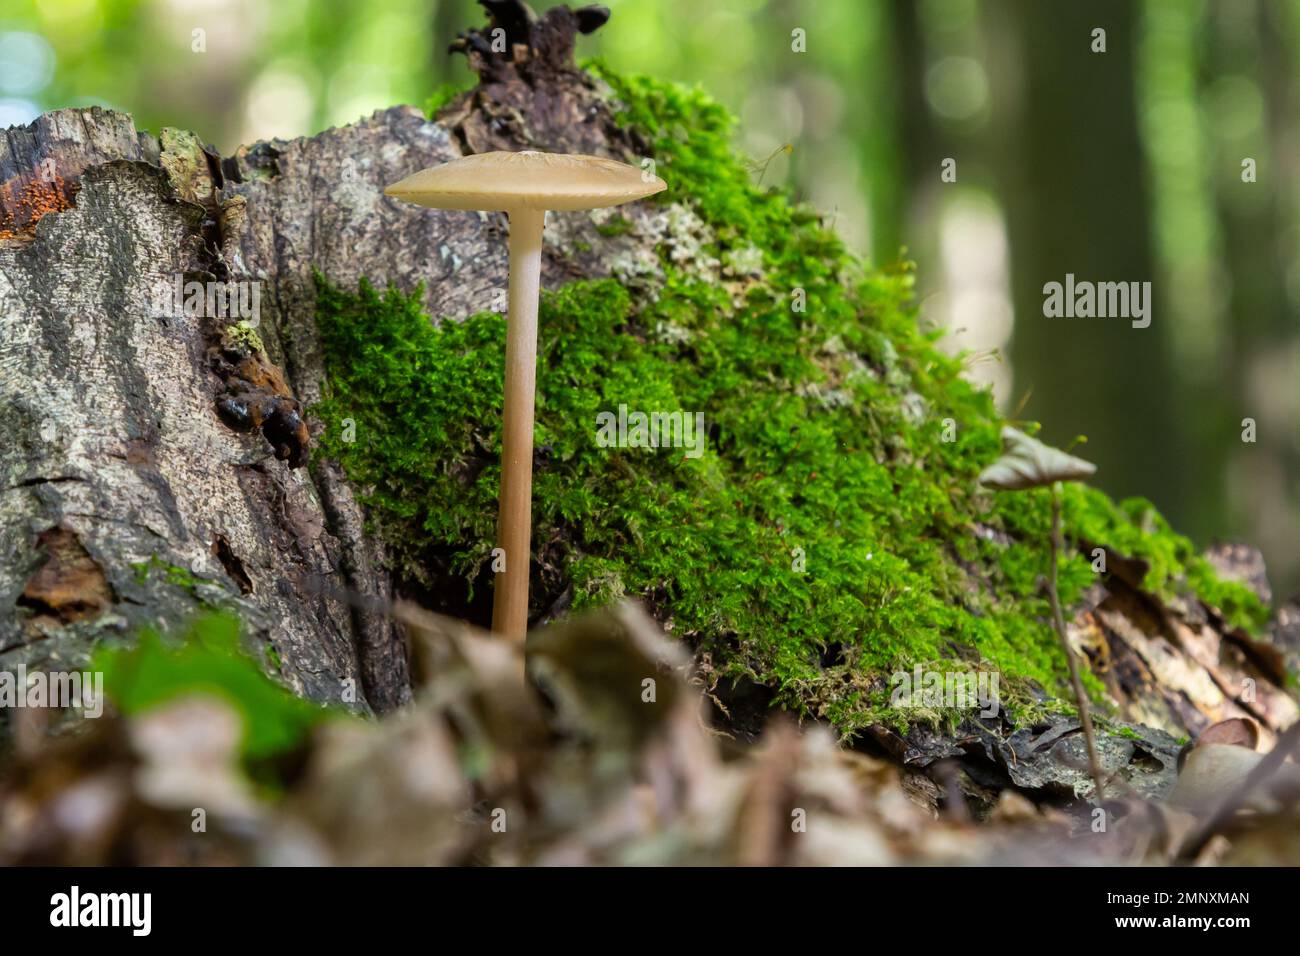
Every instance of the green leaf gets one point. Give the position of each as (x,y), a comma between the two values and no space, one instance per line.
(209,661)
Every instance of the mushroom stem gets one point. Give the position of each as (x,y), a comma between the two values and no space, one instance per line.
(1080,695)
(514,520)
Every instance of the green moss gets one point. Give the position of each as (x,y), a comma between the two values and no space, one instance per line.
(433,411)
(1128,732)
(1134,529)
(171,573)
(834,531)
(443,95)
(617,225)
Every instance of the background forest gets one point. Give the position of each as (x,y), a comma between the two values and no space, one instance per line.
(1122,165)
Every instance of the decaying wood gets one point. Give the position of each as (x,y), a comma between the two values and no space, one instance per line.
(530,94)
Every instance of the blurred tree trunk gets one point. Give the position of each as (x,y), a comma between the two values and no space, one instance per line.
(1076,203)
(916,162)
(1250,40)
(448,19)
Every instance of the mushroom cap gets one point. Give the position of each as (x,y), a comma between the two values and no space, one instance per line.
(502,181)
(1028,463)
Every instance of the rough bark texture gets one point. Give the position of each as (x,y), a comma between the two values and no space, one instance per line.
(530,95)
(118,481)
(128,494)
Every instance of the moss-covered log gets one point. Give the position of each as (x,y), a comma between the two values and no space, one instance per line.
(831,535)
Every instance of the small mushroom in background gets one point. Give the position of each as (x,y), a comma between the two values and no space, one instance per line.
(1028,463)
(523,185)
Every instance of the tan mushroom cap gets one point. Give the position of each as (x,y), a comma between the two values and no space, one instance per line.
(501,181)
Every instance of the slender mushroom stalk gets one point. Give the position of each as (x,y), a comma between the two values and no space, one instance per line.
(523,185)
(1076,682)
(515,517)
(1028,463)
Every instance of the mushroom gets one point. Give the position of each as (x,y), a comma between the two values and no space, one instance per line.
(523,185)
